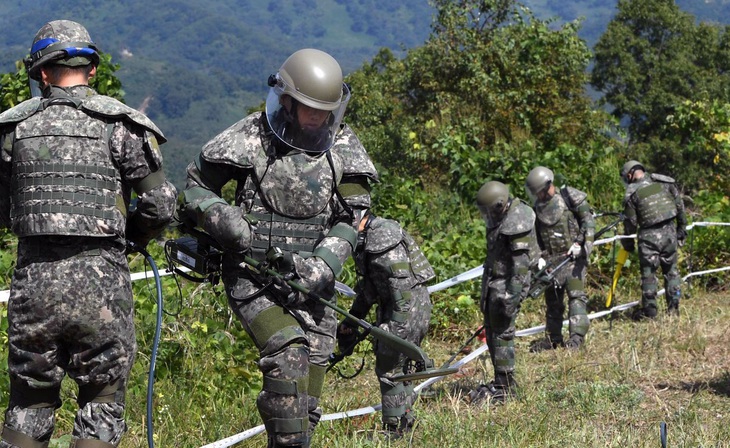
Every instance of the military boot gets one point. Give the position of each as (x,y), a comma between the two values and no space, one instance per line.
(503,388)
(673,306)
(546,343)
(575,342)
(640,314)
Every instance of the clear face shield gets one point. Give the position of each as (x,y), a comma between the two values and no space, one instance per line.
(304,128)
(538,194)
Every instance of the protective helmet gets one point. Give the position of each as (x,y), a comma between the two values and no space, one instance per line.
(628,168)
(61,42)
(492,199)
(313,79)
(538,180)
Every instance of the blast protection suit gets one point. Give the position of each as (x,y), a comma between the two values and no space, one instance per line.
(654,206)
(393,274)
(304,204)
(562,220)
(70,161)
(511,251)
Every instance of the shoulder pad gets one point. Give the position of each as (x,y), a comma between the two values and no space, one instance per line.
(110,107)
(662,178)
(238,145)
(520,219)
(383,234)
(21,111)
(355,158)
(575,196)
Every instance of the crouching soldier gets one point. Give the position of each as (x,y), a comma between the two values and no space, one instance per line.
(393,272)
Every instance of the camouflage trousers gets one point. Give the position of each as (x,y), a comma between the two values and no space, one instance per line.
(397,398)
(70,313)
(569,279)
(294,346)
(500,312)
(658,248)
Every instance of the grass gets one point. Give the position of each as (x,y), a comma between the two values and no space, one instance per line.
(615,392)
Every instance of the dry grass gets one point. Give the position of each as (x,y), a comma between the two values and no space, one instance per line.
(615,393)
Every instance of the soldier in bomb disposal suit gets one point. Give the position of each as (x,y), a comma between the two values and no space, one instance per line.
(302,185)
(70,161)
(393,275)
(654,206)
(565,228)
(511,252)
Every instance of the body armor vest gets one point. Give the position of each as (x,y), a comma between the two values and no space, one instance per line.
(654,204)
(291,198)
(556,225)
(519,219)
(64,180)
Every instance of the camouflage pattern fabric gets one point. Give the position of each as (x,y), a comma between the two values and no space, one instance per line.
(71,310)
(506,281)
(562,220)
(658,242)
(289,200)
(392,269)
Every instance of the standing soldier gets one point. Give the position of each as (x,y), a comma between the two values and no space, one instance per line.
(565,228)
(70,160)
(302,185)
(393,274)
(511,248)
(654,205)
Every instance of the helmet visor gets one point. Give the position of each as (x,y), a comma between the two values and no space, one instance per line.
(303,127)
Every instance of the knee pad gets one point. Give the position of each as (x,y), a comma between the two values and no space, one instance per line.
(24,396)
(283,402)
(101,393)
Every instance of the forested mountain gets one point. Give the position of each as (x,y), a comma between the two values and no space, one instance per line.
(196,67)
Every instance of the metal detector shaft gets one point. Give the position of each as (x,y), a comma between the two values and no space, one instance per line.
(407,348)
(545,281)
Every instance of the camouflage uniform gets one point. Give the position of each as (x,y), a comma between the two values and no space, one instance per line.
(511,247)
(393,272)
(70,161)
(653,205)
(562,220)
(306,205)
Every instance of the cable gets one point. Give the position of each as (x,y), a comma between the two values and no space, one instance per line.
(155,343)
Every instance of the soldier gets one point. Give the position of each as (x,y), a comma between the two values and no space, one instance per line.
(70,161)
(565,228)
(393,273)
(654,205)
(302,186)
(511,249)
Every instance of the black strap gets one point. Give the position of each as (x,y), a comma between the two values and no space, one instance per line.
(17,438)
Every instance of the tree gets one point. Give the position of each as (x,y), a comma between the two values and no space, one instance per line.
(651,59)
(491,92)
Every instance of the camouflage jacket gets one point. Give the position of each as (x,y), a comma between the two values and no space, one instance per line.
(70,161)
(390,264)
(299,202)
(512,247)
(562,220)
(652,200)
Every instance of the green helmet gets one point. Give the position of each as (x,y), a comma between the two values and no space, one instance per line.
(61,42)
(311,78)
(629,167)
(492,198)
(539,179)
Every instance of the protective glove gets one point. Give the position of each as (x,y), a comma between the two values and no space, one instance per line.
(315,275)
(681,236)
(541,263)
(229,226)
(574,251)
(346,338)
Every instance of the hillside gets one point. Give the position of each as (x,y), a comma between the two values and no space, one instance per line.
(196,67)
